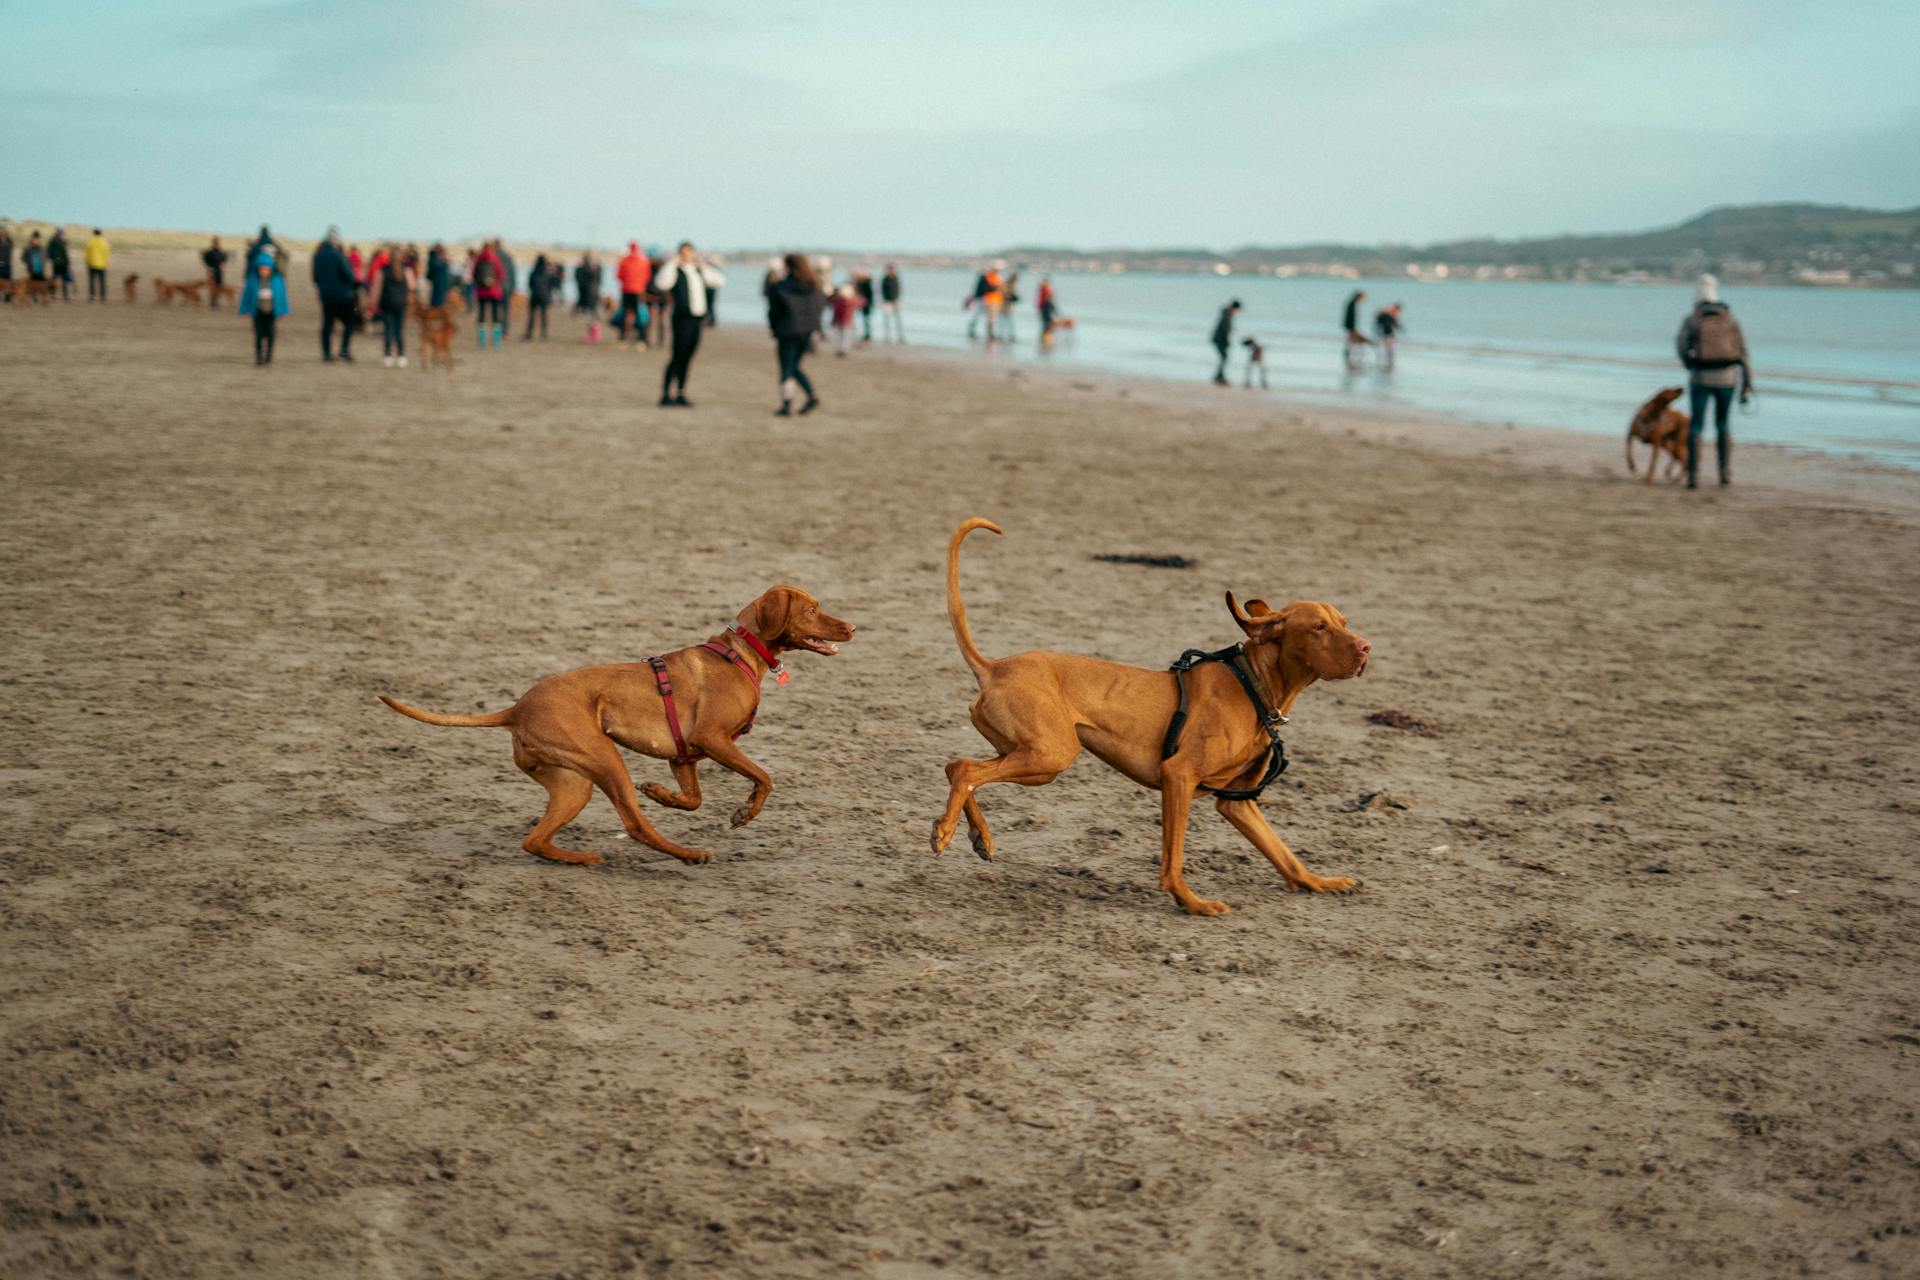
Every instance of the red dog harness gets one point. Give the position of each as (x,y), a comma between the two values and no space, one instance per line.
(688,755)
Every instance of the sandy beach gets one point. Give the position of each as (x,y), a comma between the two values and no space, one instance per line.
(1628,991)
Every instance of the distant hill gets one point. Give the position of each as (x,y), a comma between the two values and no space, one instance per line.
(1809,243)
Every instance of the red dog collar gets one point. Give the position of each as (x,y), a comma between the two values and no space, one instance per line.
(766,655)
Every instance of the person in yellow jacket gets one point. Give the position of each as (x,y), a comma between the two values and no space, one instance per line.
(99,253)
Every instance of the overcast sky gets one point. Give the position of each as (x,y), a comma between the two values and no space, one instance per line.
(895,124)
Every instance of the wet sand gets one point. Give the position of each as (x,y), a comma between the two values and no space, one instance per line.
(1629,989)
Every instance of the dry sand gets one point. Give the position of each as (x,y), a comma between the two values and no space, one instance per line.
(1629,991)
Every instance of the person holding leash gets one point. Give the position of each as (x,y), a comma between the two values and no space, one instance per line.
(1714,350)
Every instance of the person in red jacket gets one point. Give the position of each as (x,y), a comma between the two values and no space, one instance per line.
(489,293)
(635,274)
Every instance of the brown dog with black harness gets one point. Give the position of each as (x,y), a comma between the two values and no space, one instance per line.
(1212,724)
(688,705)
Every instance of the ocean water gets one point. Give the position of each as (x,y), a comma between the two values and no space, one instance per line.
(1835,370)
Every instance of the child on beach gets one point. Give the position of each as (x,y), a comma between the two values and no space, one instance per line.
(265,299)
(844,307)
(1386,328)
(1256,359)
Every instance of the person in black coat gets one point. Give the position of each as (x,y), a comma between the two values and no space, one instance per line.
(795,303)
(339,296)
(1223,339)
(60,263)
(539,297)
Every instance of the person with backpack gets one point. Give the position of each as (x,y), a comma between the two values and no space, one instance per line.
(489,295)
(392,291)
(795,303)
(1714,350)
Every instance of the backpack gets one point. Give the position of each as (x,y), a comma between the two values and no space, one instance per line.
(1716,343)
(485,274)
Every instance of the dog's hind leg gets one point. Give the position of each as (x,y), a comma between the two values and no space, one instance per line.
(609,772)
(1247,819)
(687,778)
(978,834)
(1030,764)
(567,794)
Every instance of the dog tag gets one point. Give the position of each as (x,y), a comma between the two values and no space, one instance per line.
(780,677)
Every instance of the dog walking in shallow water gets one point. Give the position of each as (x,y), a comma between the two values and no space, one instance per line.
(691,704)
(1212,724)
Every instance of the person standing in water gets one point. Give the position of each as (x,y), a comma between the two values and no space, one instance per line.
(1386,328)
(1350,321)
(794,306)
(686,280)
(890,306)
(1714,350)
(1223,339)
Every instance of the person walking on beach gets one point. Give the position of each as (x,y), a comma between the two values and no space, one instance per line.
(392,291)
(1350,321)
(635,274)
(1386,329)
(890,305)
(794,305)
(539,297)
(1223,339)
(98,254)
(489,295)
(439,275)
(6,258)
(509,285)
(977,305)
(215,259)
(863,289)
(33,259)
(687,281)
(339,291)
(59,264)
(263,295)
(1714,350)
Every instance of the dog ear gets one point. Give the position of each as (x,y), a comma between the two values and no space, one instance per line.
(1256,617)
(767,616)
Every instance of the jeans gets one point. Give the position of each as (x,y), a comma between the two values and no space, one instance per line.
(1697,396)
(890,321)
(263,327)
(686,340)
(393,333)
(96,283)
(791,352)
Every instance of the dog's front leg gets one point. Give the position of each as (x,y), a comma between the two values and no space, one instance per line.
(1176,801)
(1247,819)
(727,754)
(687,778)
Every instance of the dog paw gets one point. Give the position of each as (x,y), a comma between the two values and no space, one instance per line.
(657,793)
(1332,884)
(1207,907)
(694,857)
(940,842)
(982,844)
(742,816)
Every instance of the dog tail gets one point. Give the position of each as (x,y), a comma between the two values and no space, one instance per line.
(492,719)
(956,611)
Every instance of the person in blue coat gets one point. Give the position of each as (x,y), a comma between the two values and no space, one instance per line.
(264,297)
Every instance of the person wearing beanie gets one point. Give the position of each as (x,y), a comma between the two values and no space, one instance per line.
(1714,351)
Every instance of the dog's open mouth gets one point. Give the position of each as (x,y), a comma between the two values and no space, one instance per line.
(817,645)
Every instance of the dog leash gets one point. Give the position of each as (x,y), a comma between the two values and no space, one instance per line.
(1234,656)
(662,681)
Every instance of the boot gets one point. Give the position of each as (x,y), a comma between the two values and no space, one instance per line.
(1724,448)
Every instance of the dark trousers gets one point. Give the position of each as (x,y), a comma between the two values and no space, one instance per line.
(536,311)
(66,286)
(791,352)
(346,313)
(96,283)
(686,341)
(1220,374)
(263,327)
(631,307)
(1697,397)
(393,333)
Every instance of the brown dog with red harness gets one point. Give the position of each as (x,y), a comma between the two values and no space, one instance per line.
(685,706)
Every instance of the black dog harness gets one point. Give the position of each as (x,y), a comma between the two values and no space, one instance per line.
(1236,659)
